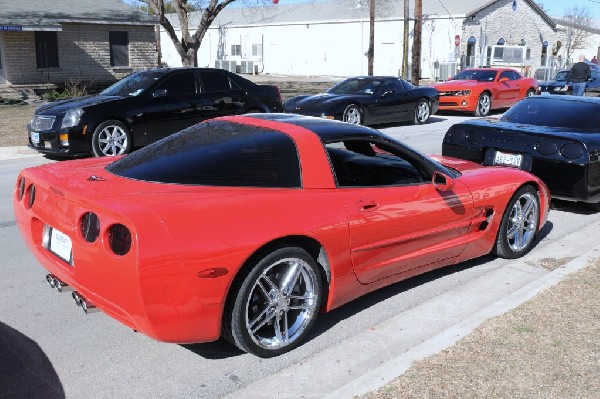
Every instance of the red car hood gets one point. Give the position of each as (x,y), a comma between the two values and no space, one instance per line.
(458,85)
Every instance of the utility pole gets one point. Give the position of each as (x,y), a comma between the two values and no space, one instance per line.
(405,41)
(371,51)
(416,48)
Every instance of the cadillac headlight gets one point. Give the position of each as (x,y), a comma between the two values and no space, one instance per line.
(71,118)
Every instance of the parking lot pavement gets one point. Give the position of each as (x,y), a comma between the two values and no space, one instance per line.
(17,152)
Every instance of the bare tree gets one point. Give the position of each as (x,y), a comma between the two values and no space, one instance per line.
(577,20)
(187,45)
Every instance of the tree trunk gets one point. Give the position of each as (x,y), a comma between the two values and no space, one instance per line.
(405,41)
(371,51)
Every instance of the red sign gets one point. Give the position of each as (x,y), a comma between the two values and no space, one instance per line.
(457,40)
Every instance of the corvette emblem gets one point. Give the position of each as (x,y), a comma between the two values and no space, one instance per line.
(95,178)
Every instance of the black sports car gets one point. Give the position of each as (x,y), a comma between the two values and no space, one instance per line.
(368,100)
(144,107)
(557,138)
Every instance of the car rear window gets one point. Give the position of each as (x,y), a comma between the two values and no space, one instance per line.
(216,153)
(554,112)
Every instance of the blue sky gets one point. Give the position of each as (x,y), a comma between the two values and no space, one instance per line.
(557,8)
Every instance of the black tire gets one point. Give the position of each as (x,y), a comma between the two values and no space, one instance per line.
(353,114)
(519,225)
(111,138)
(266,318)
(422,111)
(594,206)
(530,93)
(484,105)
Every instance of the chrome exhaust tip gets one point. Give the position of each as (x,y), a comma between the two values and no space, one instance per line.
(76,298)
(88,307)
(51,280)
(61,286)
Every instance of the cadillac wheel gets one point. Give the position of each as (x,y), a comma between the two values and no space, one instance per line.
(276,303)
(111,138)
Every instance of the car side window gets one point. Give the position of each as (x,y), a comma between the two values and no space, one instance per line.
(179,84)
(392,86)
(367,163)
(505,74)
(215,81)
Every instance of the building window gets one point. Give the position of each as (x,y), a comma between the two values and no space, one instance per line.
(257,50)
(119,48)
(46,49)
(236,49)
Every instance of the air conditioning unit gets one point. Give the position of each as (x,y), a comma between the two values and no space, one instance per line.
(247,67)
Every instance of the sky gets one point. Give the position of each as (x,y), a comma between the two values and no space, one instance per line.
(556,8)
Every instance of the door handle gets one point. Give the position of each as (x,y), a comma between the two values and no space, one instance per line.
(367,205)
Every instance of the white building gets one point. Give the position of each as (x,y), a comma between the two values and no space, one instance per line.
(331,37)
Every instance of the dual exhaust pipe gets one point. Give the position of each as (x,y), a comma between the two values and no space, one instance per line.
(80,301)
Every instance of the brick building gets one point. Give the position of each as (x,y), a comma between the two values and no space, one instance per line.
(92,42)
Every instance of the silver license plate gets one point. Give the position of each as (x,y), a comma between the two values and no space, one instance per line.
(60,244)
(506,159)
(35,137)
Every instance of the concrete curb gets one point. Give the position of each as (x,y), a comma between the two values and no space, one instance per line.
(387,372)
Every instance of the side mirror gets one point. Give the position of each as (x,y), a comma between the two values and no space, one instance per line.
(442,182)
(160,93)
(502,80)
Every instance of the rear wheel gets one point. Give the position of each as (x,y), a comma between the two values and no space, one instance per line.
(276,304)
(353,114)
(422,112)
(484,104)
(530,93)
(111,138)
(519,224)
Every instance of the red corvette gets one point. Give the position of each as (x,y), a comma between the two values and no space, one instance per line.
(480,90)
(248,226)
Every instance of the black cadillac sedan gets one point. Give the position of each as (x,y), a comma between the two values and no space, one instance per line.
(369,100)
(557,138)
(145,107)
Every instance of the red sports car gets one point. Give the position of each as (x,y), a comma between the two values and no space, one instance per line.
(248,226)
(480,90)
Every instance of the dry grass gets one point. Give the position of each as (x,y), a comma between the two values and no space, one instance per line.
(13,124)
(548,347)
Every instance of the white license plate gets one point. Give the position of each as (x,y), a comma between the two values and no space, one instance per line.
(505,159)
(60,244)
(35,137)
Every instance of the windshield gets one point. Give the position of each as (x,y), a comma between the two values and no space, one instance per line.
(480,76)
(562,75)
(541,111)
(133,84)
(364,86)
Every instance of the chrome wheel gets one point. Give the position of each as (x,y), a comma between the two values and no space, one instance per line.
(519,224)
(484,104)
(522,222)
(422,112)
(276,304)
(112,140)
(353,115)
(530,93)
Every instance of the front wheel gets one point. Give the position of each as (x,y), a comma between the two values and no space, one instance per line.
(353,114)
(422,112)
(484,104)
(111,138)
(276,304)
(519,224)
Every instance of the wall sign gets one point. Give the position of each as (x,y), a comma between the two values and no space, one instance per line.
(10,28)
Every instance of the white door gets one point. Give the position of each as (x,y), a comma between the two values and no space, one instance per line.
(2,78)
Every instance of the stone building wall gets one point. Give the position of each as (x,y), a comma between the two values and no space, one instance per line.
(499,20)
(83,55)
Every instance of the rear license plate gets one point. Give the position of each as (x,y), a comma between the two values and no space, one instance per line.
(505,159)
(60,245)
(35,137)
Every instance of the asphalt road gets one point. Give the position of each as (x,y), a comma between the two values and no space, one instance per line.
(49,348)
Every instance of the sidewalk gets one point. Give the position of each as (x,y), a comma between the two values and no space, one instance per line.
(16,152)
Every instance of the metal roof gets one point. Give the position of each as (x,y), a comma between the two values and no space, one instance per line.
(42,13)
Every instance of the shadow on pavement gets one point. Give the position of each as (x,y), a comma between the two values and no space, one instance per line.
(220,349)
(25,370)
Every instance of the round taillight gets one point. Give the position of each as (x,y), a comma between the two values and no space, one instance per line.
(21,188)
(455,134)
(572,150)
(89,225)
(475,137)
(546,147)
(30,196)
(119,239)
